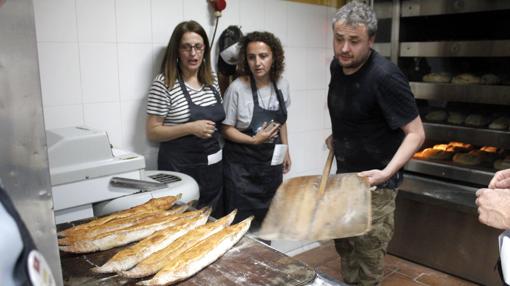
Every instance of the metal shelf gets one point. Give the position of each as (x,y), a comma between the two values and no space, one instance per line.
(428,188)
(383,10)
(412,8)
(474,93)
(451,171)
(383,49)
(496,48)
(475,136)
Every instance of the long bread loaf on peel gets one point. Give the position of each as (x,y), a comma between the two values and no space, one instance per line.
(126,235)
(129,257)
(152,205)
(156,261)
(200,255)
(118,224)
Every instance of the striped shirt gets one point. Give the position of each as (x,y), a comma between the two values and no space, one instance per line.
(171,103)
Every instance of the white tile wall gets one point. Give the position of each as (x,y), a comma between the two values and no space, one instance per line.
(250,15)
(63,116)
(135,70)
(275,19)
(134,21)
(55,20)
(96,20)
(105,116)
(59,65)
(99,72)
(101,55)
(165,16)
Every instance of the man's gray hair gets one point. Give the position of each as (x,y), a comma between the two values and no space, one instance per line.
(356,13)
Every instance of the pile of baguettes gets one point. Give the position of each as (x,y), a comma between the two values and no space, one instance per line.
(173,244)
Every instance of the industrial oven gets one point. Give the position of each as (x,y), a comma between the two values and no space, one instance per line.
(456,55)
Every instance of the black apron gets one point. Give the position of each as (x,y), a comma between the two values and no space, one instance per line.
(188,154)
(20,269)
(250,181)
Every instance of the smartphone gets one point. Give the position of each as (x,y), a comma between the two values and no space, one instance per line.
(271,125)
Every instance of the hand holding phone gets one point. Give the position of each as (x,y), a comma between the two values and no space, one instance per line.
(271,125)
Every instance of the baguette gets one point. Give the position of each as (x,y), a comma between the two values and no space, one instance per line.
(152,205)
(156,261)
(129,257)
(126,235)
(201,255)
(117,224)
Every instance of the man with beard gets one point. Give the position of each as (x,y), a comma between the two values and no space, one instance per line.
(376,130)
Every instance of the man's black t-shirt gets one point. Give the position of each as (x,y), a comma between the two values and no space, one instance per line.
(367,110)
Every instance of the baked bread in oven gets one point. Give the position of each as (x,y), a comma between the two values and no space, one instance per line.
(434,154)
(472,158)
(500,123)
(466,78)
(441,77)
(502,163)
(490,79)
(437,116)
(477,120)
(456,118)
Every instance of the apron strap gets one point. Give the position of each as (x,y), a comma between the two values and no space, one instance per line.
(253,86)
(279,95)
(187,95)
(281,101)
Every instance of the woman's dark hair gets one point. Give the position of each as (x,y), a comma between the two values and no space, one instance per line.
(169,66)
(276,48)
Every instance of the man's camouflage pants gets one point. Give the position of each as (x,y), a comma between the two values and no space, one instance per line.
(362,257)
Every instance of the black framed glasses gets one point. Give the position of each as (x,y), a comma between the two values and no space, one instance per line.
(188,48)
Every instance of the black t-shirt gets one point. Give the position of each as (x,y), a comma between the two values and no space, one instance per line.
(367,110)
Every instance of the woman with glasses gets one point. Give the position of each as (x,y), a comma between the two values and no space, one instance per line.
(256,153)
(184,112)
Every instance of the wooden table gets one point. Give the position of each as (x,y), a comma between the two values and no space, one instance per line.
(249,262)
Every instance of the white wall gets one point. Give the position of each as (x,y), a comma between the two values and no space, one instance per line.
(98,57)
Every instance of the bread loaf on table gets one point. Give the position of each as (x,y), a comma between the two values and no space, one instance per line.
(156,261)
(152,205)
(127,235)
(130,256)
(117,224)
(199,256)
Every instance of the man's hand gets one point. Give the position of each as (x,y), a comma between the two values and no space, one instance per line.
(375,177)
(501,180)
(494,207)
